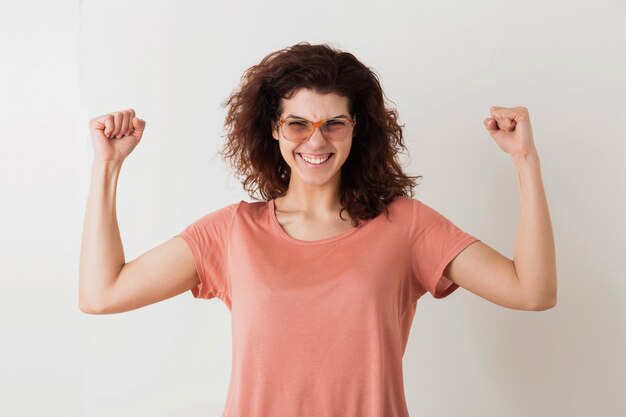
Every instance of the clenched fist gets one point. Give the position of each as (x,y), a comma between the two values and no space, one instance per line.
(510,128)
(116,134)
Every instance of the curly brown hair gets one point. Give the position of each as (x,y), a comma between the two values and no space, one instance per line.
(371,176)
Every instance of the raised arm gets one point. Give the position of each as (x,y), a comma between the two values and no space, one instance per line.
(527,282)
(107,284)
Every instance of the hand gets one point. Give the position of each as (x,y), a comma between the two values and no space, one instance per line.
(510,128)
(116,134)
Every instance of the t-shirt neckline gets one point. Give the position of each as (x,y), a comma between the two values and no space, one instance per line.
(287,236)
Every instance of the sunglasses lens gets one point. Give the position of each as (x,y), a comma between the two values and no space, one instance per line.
(296,130)
(300,130)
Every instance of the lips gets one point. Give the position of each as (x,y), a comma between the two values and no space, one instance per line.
(327,157)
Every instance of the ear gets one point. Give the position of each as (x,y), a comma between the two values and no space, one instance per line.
(274,132)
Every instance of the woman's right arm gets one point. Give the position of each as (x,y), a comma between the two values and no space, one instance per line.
(107,284)
(101,254)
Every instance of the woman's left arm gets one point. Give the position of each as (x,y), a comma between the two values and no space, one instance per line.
(530,278)
(534,256)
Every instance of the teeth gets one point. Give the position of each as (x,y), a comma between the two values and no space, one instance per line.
(315,160)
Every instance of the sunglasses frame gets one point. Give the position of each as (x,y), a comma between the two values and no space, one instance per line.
(315,125)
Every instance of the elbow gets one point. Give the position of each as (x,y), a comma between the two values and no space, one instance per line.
(546,298)
(90,302)
(89,307)
(545,304)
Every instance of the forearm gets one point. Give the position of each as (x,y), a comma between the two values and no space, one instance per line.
(535,257)
(102,254)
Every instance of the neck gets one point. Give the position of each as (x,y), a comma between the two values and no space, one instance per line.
(314,200)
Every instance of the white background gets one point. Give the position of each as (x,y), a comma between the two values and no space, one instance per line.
(443,64)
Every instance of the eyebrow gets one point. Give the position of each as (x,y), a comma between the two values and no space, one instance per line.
(302,118)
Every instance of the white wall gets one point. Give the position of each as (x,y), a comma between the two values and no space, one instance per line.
(442,63)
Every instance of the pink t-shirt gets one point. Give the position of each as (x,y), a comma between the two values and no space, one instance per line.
(319,328)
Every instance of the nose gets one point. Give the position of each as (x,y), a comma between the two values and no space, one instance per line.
(316,138)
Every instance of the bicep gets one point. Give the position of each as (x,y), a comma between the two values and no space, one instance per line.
(487,273)
(162,272)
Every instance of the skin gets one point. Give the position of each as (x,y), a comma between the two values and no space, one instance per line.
(528,281)
(309,210)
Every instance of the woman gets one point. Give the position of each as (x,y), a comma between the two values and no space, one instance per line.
(322,275)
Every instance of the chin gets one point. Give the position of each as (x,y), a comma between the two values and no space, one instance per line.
(315,178)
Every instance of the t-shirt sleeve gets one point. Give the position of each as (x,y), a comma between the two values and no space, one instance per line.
(435,242)
(208,239)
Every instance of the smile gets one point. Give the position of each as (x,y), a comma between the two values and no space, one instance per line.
(315,161)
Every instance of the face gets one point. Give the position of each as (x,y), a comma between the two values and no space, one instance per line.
(312,106)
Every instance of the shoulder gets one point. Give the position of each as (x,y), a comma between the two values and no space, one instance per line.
(251,212)
(219,216)
(251,207)
(397,213)
(417,209)
(403,206)
(415,214)
(403,202)
(226,211)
